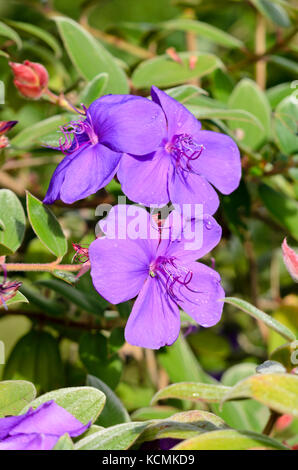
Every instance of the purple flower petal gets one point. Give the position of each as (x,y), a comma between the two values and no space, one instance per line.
(32,441)
(219,162)
(119,268)
(49,418)
(145,179)
(9,422)
(133,125)
(188,240)
(201,297)
(155,320)
(91,170)
(179,119)
(189,188)
(53,192)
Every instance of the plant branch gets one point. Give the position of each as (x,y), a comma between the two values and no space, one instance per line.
(271,422)
(42,267)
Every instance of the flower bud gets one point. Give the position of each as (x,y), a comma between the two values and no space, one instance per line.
(30,78)
(290,259)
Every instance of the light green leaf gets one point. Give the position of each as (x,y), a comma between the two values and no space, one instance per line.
(119,437)
(94,89)
(89,56)
(277,391)
(32,135)
(10,33)
(46,226)
(248,97)
(238,115)
(272,11)
(285,125)
(40,33)
(282,209)
(204,30)
(14,395)
(84,403)
(17,298)
(183,93)
(163,71)
(278,92)
(114,411)
(64,443)
(13,219)
(262,316)
(229,440)
(192,391)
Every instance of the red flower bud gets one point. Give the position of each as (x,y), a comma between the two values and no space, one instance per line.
(30,78)
(290,259)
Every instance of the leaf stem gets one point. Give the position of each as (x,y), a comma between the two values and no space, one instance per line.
(271,422)
(43,267)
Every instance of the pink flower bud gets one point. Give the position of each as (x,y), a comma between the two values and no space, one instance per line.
(30,78)
(290,259)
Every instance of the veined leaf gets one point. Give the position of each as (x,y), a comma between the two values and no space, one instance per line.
(192,391)
(13,218)
(14,395)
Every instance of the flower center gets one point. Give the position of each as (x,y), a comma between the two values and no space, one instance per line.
(184,150)
(173,273)
(76,134)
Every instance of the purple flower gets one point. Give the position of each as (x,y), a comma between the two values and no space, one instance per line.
(38,429)
(185,163)
(161,271)
(94,144)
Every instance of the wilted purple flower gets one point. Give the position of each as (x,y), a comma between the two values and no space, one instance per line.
(94,144)
(38,429)
(185,163)
(162,273)
(8,289)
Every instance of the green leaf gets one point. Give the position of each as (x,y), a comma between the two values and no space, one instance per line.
(238,115)
(40,33)
(181,364)
(284,63)
(36,358)
(276,13)
(10,33)
(114,411)
(285,125)
(204,30)
(44,303)
(277,391)
(208,393)
(32,135)
(262,316)
(163,71)
(89,56)
(229,440)
(73,294)
(14,395)
(93,351)
(282,209)
(13,218)
(183,93)
(119,437)
(46,226)
(278,92)
(17,298)
(84,403)
(94,89)
(182,426)
(64,443)
(243,414)
(248,97)
(153,412)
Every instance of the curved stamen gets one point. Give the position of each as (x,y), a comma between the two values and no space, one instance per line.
(184,150)
(174,273)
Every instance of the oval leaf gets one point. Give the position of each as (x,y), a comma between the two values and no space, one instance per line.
(14,395)
(13,218)
(94,89)
(163,71)
(84,403)
(46,226)
(89,56)
(192,391)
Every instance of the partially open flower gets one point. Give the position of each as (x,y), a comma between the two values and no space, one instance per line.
(30,78)
(290,259)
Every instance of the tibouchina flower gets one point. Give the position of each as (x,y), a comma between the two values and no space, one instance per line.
(38,429)
(94,144)
(184,165)
(160,270)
